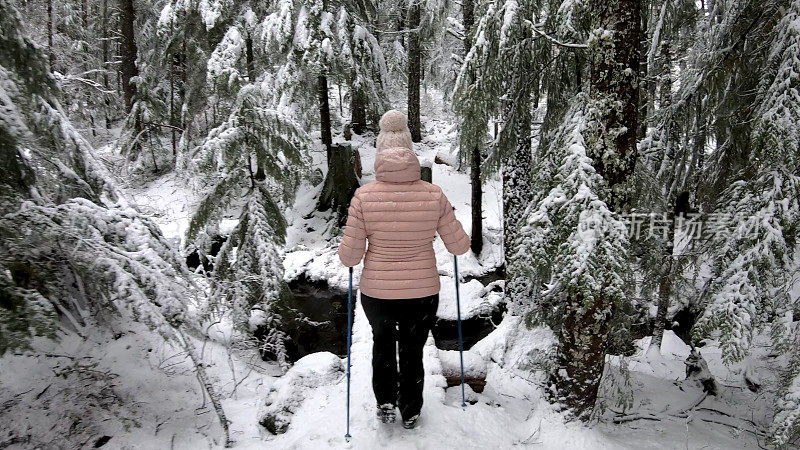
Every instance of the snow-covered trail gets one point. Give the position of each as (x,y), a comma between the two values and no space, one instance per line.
(321,420)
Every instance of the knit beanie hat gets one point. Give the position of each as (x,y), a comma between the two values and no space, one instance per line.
(394,131)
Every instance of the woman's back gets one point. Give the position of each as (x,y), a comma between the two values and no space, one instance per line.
(400,215)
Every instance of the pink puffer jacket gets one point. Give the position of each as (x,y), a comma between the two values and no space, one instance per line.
(400,215)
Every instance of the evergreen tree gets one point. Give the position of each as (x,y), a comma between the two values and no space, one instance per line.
(575,230)
(496,79)
(258,155)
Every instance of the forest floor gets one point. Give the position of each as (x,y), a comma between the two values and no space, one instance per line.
(130,389)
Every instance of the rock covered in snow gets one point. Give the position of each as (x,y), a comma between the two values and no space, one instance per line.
(697,370)
(475,369)
(288,392)
(476,299)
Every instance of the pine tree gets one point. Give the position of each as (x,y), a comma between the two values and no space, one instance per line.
(603,158)
(252,283)
(499,78)
(258,155)
(362,56)
(576,249)
(316,47)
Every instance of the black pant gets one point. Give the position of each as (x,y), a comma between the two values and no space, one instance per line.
(404,323)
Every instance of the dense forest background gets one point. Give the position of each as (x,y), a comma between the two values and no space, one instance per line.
(648,154)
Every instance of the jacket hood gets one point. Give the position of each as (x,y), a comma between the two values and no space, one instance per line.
(397,165)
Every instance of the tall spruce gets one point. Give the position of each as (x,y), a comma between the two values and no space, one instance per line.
(127,20)
(610,150)
(475,160)
(414,73)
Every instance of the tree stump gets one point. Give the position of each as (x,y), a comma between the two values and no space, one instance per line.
(357,163)
(426,173)
(341,181)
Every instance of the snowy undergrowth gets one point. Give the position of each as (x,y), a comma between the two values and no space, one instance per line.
(127,389)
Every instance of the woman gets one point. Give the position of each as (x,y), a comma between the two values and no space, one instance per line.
(400,215)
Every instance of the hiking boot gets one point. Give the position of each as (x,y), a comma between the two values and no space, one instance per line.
(411,422)
(385,413)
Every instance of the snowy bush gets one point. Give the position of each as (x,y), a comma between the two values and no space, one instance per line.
(289,392)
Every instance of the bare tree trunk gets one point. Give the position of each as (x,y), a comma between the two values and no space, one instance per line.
(358,107)
(467,9)
(324,114)
(665,286)
(477,201)
(50,54)
(128,51)
(251,67)
(172,105)
(104,47)
(611,143)
(414,70)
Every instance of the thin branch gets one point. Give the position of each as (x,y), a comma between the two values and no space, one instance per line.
(554,40)
(154,124)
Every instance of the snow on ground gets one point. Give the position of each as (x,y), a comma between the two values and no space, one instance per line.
(512,412)
(320,422)
(130,386)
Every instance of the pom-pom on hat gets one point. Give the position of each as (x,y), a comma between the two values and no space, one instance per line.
(394,131)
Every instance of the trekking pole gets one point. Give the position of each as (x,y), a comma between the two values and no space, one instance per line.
(349,334)
(460,339)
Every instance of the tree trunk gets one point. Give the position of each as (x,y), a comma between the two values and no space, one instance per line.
(104,47)
(699,141)
(251,67)
(664,295)
(611,143)
(128,51)
(324,115)
(516,190)
(665,285)
(340,183)
(172,106)
(468,11)
(614,77)
(358,107)
(475,154)
(414,70)
(477,201)
(50,54)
